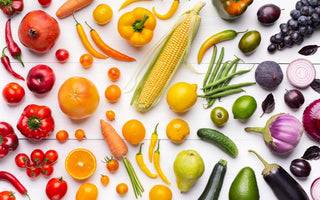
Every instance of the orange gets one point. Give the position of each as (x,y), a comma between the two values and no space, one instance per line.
(78,97)
(133,131)
(160,192)
(112,93)
(80,163)
(177,130)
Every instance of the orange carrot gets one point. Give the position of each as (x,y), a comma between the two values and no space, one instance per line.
(115,143)
(71,6)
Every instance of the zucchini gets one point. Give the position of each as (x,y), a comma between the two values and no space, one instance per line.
(219,139)
(214,184)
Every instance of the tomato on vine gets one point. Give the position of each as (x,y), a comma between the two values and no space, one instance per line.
(111,164)
(22,160)
(46,169)
(37,156)
(33,171)
(51,156)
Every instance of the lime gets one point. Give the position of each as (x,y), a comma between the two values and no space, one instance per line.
(244,107)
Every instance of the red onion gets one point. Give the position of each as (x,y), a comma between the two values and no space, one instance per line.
(315,189)
(281,133)
(311,120)
(301,73)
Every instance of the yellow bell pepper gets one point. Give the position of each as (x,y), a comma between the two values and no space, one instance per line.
(137,26)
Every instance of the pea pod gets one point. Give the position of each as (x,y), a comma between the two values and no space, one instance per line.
(214,39)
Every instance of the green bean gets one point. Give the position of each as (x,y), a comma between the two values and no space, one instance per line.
(211,102)
(217,67)
(233,71)
(226,78)
(219,76)
(226,93)
(228,68)
(213,59)
(224,88)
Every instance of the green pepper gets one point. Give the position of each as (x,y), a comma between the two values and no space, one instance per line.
(231,9)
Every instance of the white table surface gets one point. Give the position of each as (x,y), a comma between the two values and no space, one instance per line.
(197,117)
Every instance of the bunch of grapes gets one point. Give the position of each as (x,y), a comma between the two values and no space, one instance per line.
(304,19)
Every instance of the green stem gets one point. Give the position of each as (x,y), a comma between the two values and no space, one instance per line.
(139,153)
(136,184)
(139,24)
(155,129)
(1,140)
(34,123)
(3,54)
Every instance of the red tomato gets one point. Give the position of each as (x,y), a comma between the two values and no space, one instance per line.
(56,188)
(111,164)
(33,171)
(62,55)
(37,156)
(51,156)
(46,169)
(7,195)
(114,74)
(22,160)
(13,93)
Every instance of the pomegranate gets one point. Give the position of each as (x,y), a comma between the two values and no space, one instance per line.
(38,31)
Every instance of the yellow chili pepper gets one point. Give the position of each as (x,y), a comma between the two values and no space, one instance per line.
(128,2)
(153,141)
(156,162)
(86,43)
(137,26)
(142,165)
(170,13)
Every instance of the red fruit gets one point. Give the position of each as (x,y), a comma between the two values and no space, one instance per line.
(44,3)
(40,79)
(33,171)
(13,93)
(37,157)
(22,160)
(51,156)
(46,169)
(56,188)
(38,31)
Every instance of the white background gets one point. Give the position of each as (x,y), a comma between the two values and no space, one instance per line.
(197,117)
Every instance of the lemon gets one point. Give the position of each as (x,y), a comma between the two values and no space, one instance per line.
(177,130)
(182,96)
(102,14)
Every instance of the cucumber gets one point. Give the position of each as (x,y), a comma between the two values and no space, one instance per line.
(214,184)
(219,139)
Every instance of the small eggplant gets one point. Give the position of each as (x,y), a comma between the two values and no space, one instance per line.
(282,184)
(281,133)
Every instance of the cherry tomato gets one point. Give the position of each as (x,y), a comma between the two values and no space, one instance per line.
(62,55)
(62,135)
(13,93)
(56,188)
(110,115)
(7,195)
(51,156)
(46,169)
(22,160)
(114,74)
(112,93)
(104,179)
(111,164)
(86,60)
(80,134)
(37,156)
(122,188)
(44,3)
(219,116)
(33,171)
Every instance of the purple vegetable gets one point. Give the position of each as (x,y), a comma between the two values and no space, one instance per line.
(301,73)
(315,189)
(281,134)
(311,120)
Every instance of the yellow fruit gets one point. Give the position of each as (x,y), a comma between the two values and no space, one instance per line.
(80,163)
(182,96)
(160,192)
(102,14)
(177,130)
(87,191)
(133,131)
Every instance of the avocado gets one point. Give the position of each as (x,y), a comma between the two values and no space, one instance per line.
(244,186)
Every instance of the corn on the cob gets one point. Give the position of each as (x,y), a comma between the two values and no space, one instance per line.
(173,49)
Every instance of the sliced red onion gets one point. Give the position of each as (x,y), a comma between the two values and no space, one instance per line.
(301,73)
(311,120)
(315,189)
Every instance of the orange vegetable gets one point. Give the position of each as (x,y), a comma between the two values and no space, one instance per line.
(122,188)
(110,115)
(62,135)
(112,93)
(80,134)
(71,6)
(107,49)
(128,2)
(104,179)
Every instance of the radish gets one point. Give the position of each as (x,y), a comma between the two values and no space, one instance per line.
(301,73)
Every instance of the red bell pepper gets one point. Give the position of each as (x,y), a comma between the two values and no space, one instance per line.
(36,122)
(8,139)
(10,7)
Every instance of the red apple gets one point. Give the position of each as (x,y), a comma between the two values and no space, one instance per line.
(40,79)
(38,31)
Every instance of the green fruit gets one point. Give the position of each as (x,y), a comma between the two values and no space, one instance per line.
(188,168)
(244,107)
(219,116)
(249,42)
(244,186)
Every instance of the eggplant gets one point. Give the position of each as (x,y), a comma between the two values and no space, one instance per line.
(282,184)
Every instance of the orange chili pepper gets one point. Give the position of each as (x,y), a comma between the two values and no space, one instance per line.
(86,43)
(107,49)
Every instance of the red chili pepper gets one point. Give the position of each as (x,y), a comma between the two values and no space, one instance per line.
(13,48)
(10,7)
(36,122)
(14,181)
(6,63)
(8,139)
